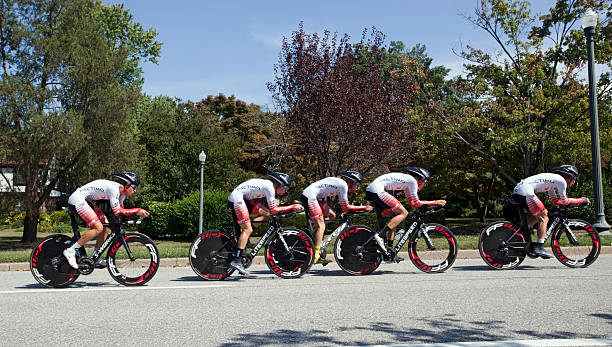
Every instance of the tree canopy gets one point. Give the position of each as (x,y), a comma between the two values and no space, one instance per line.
(69,80)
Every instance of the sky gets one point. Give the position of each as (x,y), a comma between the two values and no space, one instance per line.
(231,46)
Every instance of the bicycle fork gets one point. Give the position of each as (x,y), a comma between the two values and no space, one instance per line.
(127,248)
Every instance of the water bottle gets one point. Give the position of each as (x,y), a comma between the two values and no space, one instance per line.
(380,242)
(399,234)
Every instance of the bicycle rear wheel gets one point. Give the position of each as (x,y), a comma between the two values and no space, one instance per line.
(210,255)
(356,251)
(433,248)
(134,272)
(577,247)
(496,251)
(49,266)
(295,261)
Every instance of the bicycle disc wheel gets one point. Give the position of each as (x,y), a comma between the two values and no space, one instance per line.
(356,251)
(210,255)
(434,250)
(49,266)
(134,272)
(580,248)
(498,253)
(294,261)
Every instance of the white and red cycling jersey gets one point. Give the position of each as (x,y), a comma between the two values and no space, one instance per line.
(328,187)
(396,181)
(257,188)
(94,191)
(552,183)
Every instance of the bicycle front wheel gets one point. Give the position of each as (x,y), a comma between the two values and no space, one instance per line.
(433,248)
(578,246)
(137,270)
(210,255)
(290,253)
(499,252)
(356,251)
(49,266)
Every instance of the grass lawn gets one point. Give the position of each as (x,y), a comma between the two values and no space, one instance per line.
(466,231)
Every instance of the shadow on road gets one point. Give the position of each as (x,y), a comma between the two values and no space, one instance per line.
(605,316)
(232,278)
(449,328)
(79,284)
(488,268)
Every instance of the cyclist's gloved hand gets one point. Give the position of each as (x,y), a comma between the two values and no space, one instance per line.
(143,213)
(298,208)
(585,201)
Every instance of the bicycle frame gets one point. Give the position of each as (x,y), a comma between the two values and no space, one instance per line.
(116,232)
(274,228)
(404,236)
(553,226)
(345,224)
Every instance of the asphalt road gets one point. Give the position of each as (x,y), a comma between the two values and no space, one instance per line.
(395,305)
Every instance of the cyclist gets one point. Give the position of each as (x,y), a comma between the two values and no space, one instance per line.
(377,192)
(242,203)
(313,195)
(81,202)
(532,210)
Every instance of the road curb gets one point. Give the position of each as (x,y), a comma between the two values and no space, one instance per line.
(259,260)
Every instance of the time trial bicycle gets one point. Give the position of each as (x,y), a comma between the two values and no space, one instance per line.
(432,247)
(575,243)
(289,251)
(132,258)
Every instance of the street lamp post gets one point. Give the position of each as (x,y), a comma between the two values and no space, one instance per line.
(589,21)
(202,158)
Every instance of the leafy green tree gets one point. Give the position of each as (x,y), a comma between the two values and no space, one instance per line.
(253,127)
(172,134)
(524,108)
(69,80)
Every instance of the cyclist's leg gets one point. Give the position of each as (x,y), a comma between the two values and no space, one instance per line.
(316,215)
(92,220)
(389,206)
(102,236)
(260,212)
(539,215)
(328,213)
(240,213)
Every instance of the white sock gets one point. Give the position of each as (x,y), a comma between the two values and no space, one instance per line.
(75,246)
(541,241)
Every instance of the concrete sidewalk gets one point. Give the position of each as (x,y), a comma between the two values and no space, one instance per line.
(259,260)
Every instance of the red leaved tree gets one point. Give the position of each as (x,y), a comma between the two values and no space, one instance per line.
(345,105)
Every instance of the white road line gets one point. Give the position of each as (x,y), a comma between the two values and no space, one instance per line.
(514,343)
(107,289)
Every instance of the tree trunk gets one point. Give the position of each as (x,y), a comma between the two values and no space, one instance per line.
(485,210)
(476,199)
(30,226)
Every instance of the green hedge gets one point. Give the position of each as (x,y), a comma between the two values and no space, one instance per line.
(47,222)
(179,219)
